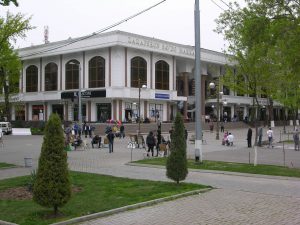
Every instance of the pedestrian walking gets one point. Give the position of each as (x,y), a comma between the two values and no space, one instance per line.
(85,129)
(122,131)
(270,137)
(89,128)
(76,129)
(296,140)
(222,126)
(110,136)
(260,134)
(150,141)
(211,126)
(249,137)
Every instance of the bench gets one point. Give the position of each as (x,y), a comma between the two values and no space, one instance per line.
(192,139)
(138,139)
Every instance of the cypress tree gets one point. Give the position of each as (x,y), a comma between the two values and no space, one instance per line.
(52,187)
(177,161)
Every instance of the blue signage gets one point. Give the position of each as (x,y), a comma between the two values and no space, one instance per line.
(162,96)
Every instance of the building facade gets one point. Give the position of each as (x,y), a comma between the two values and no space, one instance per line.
(122,76)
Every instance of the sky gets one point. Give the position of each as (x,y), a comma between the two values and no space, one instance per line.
(172,20)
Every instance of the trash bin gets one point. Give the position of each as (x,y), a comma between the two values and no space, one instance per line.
(28,161)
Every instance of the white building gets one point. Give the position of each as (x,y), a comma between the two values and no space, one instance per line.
(110,66)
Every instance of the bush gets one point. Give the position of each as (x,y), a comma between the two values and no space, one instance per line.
(31,181)
(36,131)
(177,162)
(52,187)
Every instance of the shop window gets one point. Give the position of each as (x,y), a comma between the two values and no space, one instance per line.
(156,112)
(37,112)
(103,112)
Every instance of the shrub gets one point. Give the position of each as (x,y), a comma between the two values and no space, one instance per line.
(52,187)
(31,181)
(177,162)
(36,131)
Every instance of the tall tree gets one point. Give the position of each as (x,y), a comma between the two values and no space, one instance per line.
(52,187)
(260,36)
(12,27)
(7,2)
(177,161)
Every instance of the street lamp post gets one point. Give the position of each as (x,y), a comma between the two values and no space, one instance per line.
(213,86)
(139,108)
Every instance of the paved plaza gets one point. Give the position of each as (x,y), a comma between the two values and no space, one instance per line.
(237,199)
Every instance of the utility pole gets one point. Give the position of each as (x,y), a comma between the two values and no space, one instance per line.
(198,97)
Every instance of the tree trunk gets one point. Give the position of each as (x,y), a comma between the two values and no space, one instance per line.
(55,210)
(6,101)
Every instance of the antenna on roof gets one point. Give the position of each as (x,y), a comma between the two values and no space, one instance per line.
(46,34)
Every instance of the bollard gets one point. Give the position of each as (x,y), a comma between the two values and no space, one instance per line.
(28,161)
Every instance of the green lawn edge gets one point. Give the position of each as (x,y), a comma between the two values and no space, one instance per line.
(4,165)
(99,193)
(260,169)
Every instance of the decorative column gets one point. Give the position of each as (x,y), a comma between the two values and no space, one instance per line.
(45,111)
(185,93)
(120,111)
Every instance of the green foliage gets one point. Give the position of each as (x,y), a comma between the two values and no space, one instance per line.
(97,193)
(38,129)
(7,2)
(12,27)
(232,167)
(52,187)
(263,41)
(177,161)
(31,180)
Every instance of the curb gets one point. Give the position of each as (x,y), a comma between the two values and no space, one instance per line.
(6,223)
(129,207)
(222,172)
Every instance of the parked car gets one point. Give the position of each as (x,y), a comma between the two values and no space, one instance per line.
(6,127)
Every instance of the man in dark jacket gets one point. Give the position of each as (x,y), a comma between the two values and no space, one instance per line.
(249,137)
(150,141)
(96,140)
(110,136)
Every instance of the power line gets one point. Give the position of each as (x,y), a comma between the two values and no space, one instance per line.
(225,3)
(97,32)
(217,5)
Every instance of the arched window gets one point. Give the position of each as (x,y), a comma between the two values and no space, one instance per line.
(97,72)
(51,77)
(72,74)
(162,75)
(138,70)
(32,79)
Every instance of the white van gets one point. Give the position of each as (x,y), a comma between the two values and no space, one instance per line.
(6,127)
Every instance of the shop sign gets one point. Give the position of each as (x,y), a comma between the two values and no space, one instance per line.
(84,94)
(162,96)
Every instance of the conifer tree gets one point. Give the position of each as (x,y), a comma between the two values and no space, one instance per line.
(177,161)
(52,187)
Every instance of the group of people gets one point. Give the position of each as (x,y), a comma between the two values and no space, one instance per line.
(154,140)
(270,136)
(228,139)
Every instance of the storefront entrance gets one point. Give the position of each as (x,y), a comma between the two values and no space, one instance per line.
(59,109)
(103,112)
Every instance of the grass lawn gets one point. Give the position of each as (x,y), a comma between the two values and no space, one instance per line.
(5,165)
(232,167)
(98,193)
